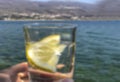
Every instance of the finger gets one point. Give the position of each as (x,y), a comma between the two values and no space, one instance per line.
(60,66)
(48,74)
(19,68)
(4,78)
(19,80)
(67,80)
(22,77)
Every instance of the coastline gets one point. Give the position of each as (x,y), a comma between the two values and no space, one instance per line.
(81,19)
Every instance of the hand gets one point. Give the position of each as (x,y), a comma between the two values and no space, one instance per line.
(60,77)
(18,72)
(14,73)
(57,76)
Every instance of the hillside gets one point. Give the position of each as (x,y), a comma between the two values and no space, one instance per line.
(26,9)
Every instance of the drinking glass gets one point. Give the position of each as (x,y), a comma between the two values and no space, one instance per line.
(50,51)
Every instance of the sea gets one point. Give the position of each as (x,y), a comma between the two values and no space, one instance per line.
(97,50)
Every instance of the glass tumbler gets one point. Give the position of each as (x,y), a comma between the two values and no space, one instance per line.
(50,51)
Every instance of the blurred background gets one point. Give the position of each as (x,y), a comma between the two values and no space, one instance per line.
(97,37)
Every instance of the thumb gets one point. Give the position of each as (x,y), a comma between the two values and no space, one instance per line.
(22,67)
(14,70)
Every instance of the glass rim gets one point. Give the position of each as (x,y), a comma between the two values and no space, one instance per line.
(51,25)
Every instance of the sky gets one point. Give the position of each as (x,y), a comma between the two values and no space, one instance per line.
(86,1)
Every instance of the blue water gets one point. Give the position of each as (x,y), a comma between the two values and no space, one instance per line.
(97,54)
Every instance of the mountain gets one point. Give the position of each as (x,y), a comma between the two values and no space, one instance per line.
(57,9)
(52,7)
(20,6)
(109,8)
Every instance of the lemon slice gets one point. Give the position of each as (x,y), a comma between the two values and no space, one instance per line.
(52,39)
(45,53)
